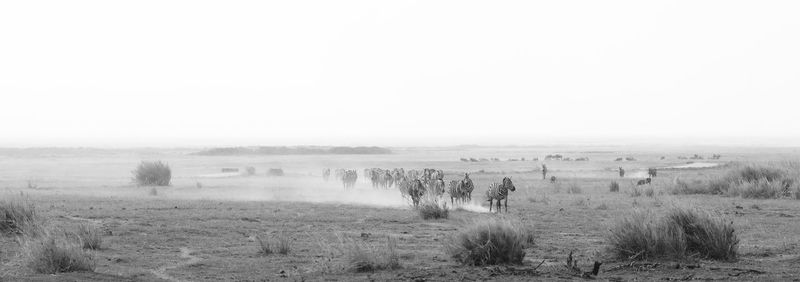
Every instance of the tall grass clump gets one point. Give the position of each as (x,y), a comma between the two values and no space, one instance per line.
(54,253)
(355,256)
(430,208)
(680,234)
(760,181)
(152,174)
(89,237)
(614,186)
(489,241)
(281,244)
(17,216)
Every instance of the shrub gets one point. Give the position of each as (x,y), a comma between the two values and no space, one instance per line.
(16,216)
(488,242)
(152,174)
(89,237)
(250,170)
(573,188)
(55,253)
(431,209)
(680,234)
(614,187)
(772,180)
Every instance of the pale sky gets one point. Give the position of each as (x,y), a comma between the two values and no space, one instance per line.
(150,73)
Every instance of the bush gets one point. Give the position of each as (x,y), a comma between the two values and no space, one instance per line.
(489,241)
(362,258)
(762,181)
(16,216)
(250,170)
(55,253)
(680,234)
(152,174)
(614,187)
(431,209)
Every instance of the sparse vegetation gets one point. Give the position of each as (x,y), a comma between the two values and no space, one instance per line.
(635,192)
(649,191)
(573,188)
(682,233)
(89,237)
(432,209)
(758,181)
(280,243)
(614,187)
(54,253)
(489,241)
(17,216)
(152,174)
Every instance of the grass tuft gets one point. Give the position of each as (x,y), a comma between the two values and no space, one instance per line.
(89,236)
(17,216)
(680,234)
(488,242)
(432,209)
(55,253)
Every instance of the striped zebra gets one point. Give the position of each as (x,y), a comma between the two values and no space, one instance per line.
(349,178)
(437,187)
(416,190)
(467,187)
(499,191)
(455,191)
(652,172)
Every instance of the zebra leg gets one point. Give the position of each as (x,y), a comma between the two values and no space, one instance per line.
(490,204)
(506,204)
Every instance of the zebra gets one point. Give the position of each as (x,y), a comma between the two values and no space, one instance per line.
(621,172)
(544,171)
(643,181)
(498,191)
(436,187)
(651,172)
(326,174)
(349,178)
(456,191)
(415,191)
(467,187)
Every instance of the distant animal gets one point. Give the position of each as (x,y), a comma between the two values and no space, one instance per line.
(326,174)
(461,190)
(621,172)
(349,178)
(552,179)
(499,191)
(437,187)
(643,181)
(651,172)
(544,171)
(467,187)
(275,172)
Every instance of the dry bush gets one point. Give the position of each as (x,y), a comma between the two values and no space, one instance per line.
(489,241)
(17,217)
(89,237)
(152,174)
(56,252)
(573,188)
(431,209)
(682,233)
(614,186)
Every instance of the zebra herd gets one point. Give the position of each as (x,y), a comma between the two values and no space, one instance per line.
(348,177)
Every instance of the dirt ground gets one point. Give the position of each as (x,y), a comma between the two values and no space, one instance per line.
(207,233)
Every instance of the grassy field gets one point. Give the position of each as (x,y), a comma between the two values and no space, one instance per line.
(209,226)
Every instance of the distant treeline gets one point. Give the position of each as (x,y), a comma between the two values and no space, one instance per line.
(282,150)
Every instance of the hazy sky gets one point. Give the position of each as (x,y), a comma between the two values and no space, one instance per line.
(130,73)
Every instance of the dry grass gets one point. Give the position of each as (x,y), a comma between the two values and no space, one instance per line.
(635,192)
(432,209)
(757,181)
(574,188)
(680,234)
(613,187)
(280,244)
(649,191)
(354,256)
(56,252)
(489,241)
(89,237)
(17,216)
(152,174)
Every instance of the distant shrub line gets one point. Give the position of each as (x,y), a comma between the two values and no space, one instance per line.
(301,150)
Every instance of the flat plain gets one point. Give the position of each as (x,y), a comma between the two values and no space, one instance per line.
(206,225)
